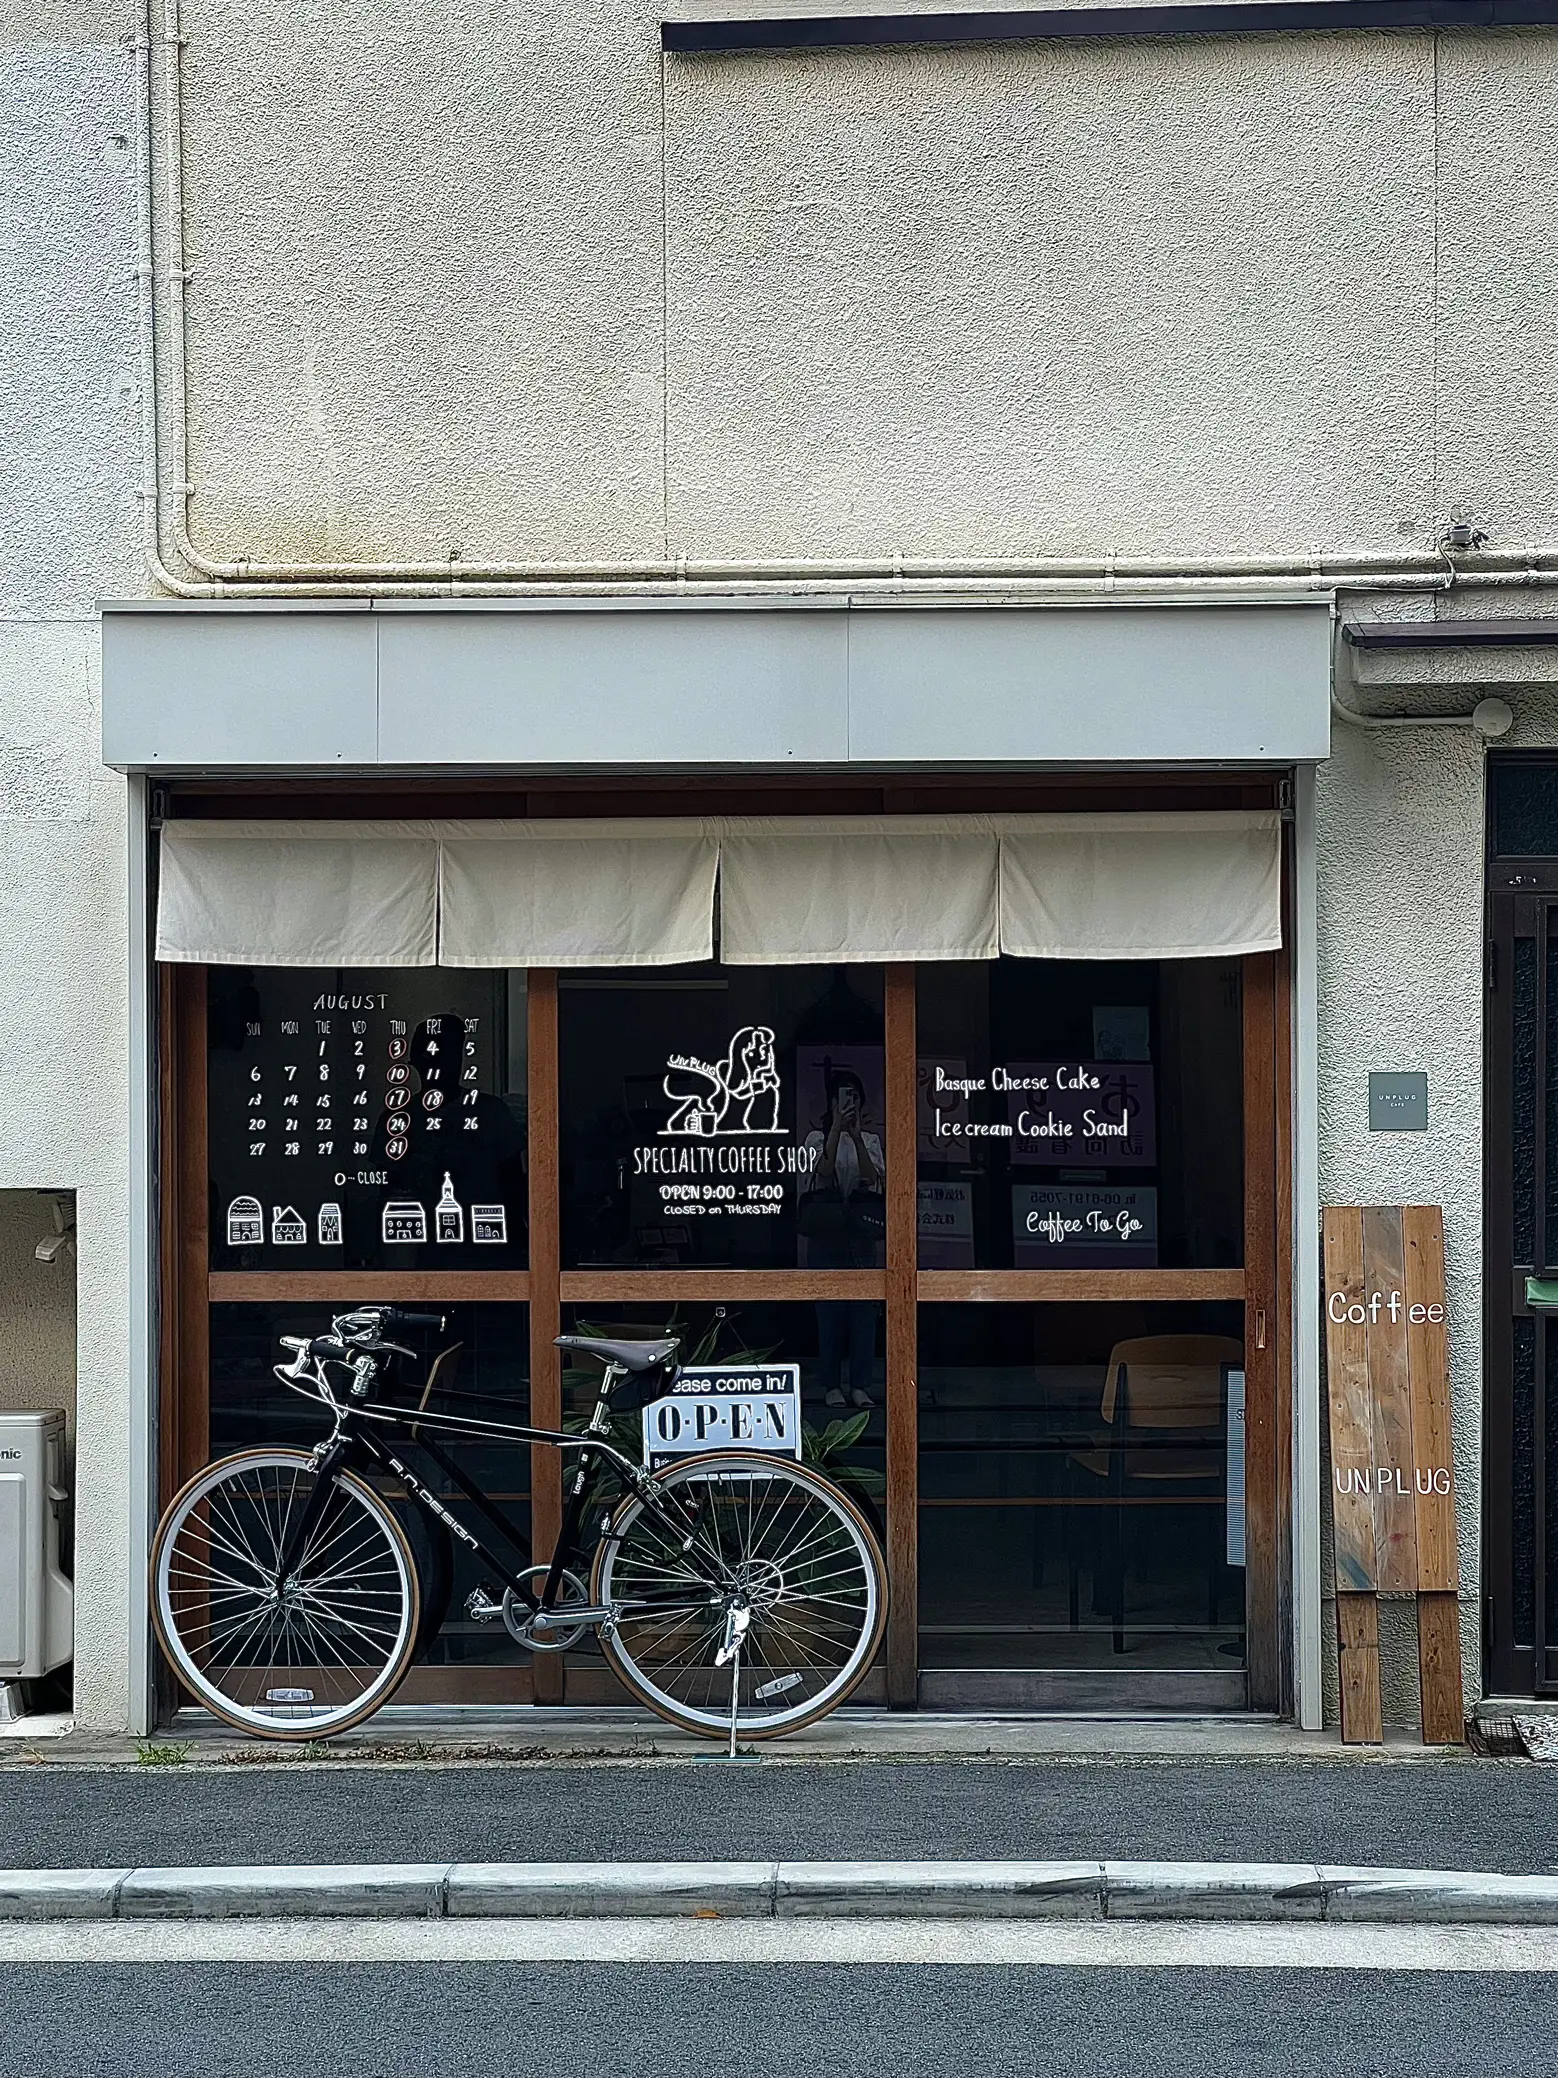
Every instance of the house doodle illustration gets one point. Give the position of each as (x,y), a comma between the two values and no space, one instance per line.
(738,1095)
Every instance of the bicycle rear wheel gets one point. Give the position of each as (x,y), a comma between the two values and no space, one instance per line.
(769,1536)
(298,1658)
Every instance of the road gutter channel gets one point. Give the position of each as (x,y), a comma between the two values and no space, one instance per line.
(1244,1891)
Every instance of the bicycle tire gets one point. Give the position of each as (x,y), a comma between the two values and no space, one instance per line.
(381,1605)
(632,1640)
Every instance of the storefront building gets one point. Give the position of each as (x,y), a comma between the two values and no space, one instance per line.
(717,710)
(963,1080)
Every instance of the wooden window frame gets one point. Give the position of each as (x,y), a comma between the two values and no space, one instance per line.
(188,1287)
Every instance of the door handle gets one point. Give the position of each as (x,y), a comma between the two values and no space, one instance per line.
(1542,1294)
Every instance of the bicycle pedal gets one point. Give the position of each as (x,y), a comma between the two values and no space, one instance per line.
(481,1608)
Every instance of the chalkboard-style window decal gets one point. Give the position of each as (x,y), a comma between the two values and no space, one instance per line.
(333,1097)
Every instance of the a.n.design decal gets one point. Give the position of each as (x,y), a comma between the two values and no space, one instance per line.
(736,1096)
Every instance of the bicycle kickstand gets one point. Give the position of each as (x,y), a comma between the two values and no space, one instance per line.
(738,1621)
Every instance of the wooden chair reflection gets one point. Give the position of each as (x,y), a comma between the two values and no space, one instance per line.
(1163,1415)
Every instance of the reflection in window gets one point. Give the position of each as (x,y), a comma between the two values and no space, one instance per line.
(1081,1487)
(1080,1114)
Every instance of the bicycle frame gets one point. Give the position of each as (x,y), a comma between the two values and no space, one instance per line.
(365,1430)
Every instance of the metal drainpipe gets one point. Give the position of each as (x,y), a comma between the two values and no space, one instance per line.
(1036,578)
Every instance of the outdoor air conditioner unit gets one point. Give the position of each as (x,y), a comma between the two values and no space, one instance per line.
(36,1599)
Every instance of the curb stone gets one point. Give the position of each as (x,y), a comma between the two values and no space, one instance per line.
(1248,1891)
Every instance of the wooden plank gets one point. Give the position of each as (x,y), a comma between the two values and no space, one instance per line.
(1357,1622)
(360,1287)
(1347,1392)
(546,1371)
(903,1398)
(624,1287)
(1120,1286)
(1428,1368)
(1439,1669)
(1260,1307)
(1385,1341)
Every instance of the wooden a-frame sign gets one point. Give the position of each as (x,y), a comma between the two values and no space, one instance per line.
(1392,1471)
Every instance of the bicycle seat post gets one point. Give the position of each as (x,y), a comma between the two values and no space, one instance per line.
(601,1417)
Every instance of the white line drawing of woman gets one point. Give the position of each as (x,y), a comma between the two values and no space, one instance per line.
(751,1076)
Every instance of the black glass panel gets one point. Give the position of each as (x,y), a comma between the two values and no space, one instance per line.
(1081,1486)
(490,1355)
(837,1344)
(1080,1114)
(722,1117)
(1523,1100)
(1549,1500)
(1525,810)
(366,1120)
(1522,1501)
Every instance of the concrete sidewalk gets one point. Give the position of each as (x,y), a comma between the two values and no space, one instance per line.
(787,1890)
(1425,1812)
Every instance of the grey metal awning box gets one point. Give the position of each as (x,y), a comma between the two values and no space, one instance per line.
(834,684)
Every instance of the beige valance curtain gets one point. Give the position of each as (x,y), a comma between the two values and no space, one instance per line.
(577,894)
(1141,887)
(299,894)
(812,890)
(791,891)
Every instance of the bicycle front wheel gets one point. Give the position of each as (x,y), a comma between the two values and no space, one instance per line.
(297,1657)
(770,1538)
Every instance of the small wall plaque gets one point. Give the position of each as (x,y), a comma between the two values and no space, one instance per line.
(1398,1103)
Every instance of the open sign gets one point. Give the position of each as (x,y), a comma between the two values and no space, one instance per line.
(727,1407)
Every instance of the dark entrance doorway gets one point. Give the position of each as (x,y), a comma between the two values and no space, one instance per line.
(1520,1489)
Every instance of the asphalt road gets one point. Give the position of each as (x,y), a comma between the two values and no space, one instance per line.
(577,2020)
(1420,1814)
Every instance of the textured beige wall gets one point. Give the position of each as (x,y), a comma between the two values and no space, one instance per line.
(510,284)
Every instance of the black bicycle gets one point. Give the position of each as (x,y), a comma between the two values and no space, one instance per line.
(733,1592)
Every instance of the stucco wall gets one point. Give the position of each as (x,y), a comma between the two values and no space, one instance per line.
(466,280)
(68,532)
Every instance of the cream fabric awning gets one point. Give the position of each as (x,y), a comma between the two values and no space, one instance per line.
(577,894)
(811,890)
(792,891)
(299,894)
(1141,887)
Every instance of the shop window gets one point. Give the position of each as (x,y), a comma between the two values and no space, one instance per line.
(482,1349)
(1080,1114)
(366,1120)
(722,1117)
(1081,1487)
(837,1346)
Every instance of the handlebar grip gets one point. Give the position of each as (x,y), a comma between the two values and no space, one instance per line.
(413,1320)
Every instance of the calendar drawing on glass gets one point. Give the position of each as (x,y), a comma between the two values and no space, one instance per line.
(361,1121)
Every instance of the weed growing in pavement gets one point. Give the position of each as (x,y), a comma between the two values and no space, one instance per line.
(149,1756)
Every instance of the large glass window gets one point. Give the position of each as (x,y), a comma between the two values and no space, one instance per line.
(722,1117)
(366,1120)
(1080,1114)
(482,1349)
(1082,1486)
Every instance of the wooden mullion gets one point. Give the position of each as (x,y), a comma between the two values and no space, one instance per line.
(1282,1339)
(191,1236)
(1260,1331)
(903,1411)
(367,1287)
(546,1375)
(627,1287)
(1124,1287)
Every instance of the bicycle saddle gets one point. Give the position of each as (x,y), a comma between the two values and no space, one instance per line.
(632,1356)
